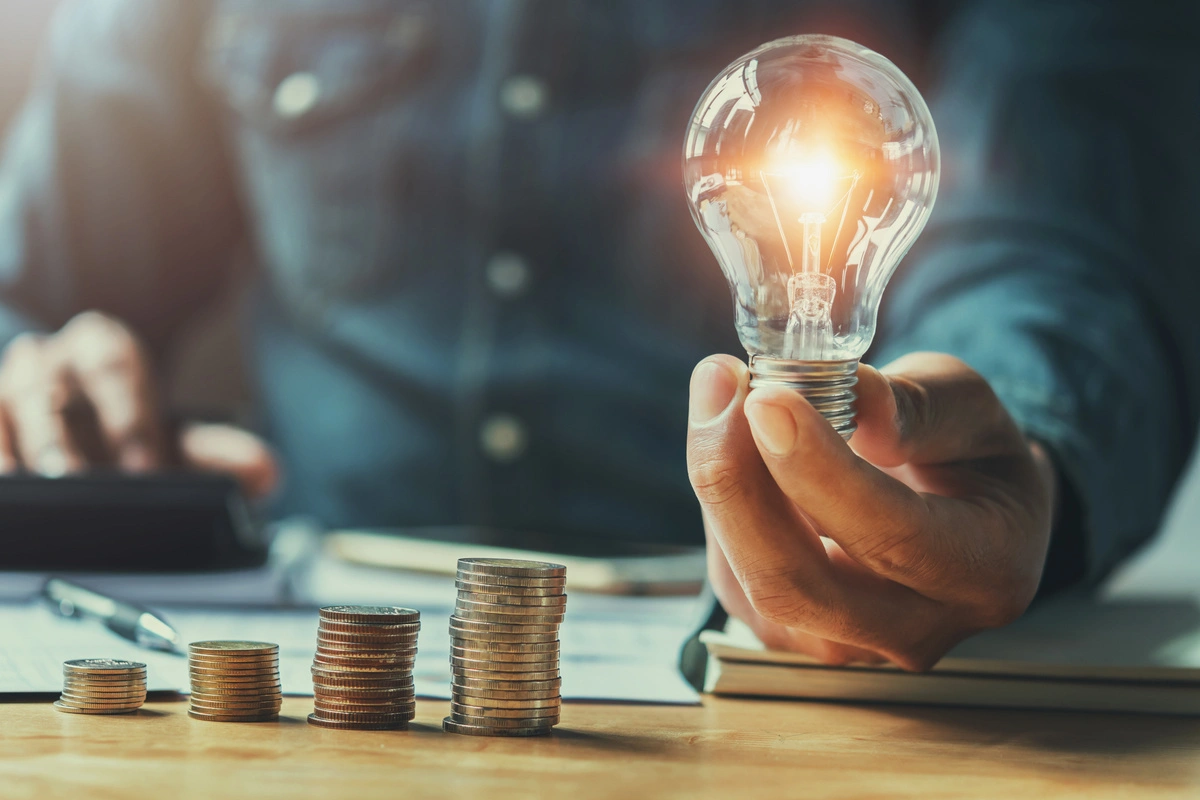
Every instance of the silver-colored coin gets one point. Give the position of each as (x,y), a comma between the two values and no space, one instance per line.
(513,623)
(384,615)
(509,591)
(89,697)
(489,675)
(512,567)
(497,703)
(108,666)
(511,667)
(553,602)
(559,584)
(506,686)
(508,694)
(315,720)
(230,647)
(324,708)
(504,722)
(498,638)
(536,613)
(450,726)
(270,716)
(68,709)
(505,647)
(474,710)
(481,654)
(102,688)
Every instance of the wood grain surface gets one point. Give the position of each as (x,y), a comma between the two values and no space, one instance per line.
(729,748)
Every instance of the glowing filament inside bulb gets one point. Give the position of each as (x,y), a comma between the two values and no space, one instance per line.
(811,181)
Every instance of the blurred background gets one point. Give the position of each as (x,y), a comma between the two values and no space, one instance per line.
(205,371)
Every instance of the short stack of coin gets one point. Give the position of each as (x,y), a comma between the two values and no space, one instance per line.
(102,686)
(504,647)
(362,672)
(234,681)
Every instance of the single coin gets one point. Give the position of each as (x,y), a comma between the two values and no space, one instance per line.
(450,726)
(231,647)
(233,707)
(488,626)
(362,666)
(507,686)
(106,688)
(473,710)
(222,687)
(504,722)
(211,695)
(352,678)
(103,665)
(271,717)
(496,702)
(233,674)
(367,651)
(88,705)
(539,623)
(509,694)
(505,647)
(494,675)
(504,666)
(512,566)
(405,640)
(385,615)
(516,640)
(511,580)
(480,654)
(339,716)
(556,601)
(69,709)
(314,719)
(223,664)
(368,629)
(550,612)
(509,591)
(357,700)
(382,687)
(103,698)
(403,709)
(366,695)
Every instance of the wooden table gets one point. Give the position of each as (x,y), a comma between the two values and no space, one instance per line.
(728,748)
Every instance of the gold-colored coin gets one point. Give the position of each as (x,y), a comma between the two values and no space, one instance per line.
(498,703)
(502,713)
(506,647)
(540,614)
(450,726)
(69,709)
(517,640)
(357,628)
(511,580)
(402,709)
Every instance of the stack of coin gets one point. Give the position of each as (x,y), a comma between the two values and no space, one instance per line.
(504,649)
(362,672)
(235,681)
(102,686)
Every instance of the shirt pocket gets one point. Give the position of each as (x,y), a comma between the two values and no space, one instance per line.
(326,103)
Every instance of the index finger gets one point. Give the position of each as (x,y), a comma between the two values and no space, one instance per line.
(113,372)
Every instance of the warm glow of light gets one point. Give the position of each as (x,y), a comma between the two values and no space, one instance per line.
(812,180)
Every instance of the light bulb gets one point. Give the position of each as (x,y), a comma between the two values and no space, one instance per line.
(811,165)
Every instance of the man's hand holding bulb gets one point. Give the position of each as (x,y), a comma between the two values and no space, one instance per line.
(932,523)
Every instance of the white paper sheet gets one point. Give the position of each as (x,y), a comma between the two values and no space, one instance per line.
(613,648)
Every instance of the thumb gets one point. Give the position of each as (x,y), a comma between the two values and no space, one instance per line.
(233,451)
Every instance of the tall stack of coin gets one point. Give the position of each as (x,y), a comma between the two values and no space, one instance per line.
(102,686)
(362,672)
(235,681)
(504,649)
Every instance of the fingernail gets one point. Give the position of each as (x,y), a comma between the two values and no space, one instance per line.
(773,426)
(713,389)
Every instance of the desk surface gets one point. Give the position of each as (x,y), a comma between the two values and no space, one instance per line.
(728,748)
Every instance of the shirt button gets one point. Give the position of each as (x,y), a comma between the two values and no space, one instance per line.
(297,94)
(502,437)
(507,274)
(523,96)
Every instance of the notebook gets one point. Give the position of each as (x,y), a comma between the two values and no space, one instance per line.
(1075,653)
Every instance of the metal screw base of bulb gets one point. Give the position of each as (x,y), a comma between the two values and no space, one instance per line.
(827,385)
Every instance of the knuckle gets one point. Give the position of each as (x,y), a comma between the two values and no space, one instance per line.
(101,341)
(715,483)
(775,596)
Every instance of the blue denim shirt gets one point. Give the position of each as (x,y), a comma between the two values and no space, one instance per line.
(479,294)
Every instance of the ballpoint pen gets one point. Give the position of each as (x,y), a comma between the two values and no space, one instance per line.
(138,625)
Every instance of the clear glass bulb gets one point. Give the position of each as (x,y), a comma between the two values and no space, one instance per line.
(811,165)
